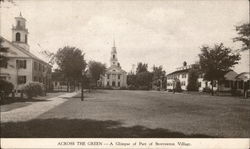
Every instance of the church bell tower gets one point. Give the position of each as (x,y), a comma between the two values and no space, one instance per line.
(113,59)
(20,33)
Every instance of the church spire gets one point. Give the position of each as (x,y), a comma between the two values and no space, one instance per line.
(113,42)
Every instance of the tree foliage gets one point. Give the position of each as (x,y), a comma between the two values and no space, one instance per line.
(244,36)
(144,80)
(141,67)
(3,58)
(96,69)
(193,75)
(158,72)
(216,61)
(71,62)
(131,80)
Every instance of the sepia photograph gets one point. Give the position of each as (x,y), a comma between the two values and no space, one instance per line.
(124,69)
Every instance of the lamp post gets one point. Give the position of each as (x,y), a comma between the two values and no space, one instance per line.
(82,95)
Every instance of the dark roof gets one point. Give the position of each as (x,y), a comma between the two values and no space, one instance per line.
(178,71)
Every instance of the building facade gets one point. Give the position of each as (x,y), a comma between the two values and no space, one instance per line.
(23,66)
(114,76)
(181,74)
(232,80)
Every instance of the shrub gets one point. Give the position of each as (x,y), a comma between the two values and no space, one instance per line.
(123,88)
(6,87)
(144,88)
(33,89)
(207,90)
(178,87)
(131,87)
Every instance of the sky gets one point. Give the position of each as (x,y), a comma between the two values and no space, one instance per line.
(157,32)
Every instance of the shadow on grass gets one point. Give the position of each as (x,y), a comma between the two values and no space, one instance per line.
(11,100)
(76,128)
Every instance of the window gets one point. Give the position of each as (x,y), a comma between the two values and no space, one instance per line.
(43,68)
(3,64)
(119,76)
(21,64)
(21,79)
(113,56)
(183,75)
(113,83)
(35,66)
(40,79)
(108,76)
(107,83)
(40,67)
(18,23)
(3,78)
(241,85)
(26,39)
(118,84)
(227,83)
(199,84)
(18,37)
(35,78)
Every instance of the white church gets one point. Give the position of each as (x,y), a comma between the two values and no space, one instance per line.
(114,77)
(22,66)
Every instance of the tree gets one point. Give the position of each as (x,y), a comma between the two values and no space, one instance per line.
(96,69)
(193,75)
(3,51)
(158,76)
(71,63)
(216,61)
(244,36)
(141,67)
(131,80)
(144,80)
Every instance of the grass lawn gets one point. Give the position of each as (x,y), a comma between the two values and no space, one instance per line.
(116,113)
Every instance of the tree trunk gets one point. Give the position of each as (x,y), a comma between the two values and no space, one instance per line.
(67,85)
(212,87)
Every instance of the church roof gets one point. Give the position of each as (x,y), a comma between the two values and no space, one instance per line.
(24,51)
(116,68)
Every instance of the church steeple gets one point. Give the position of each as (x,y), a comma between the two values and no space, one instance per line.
(20,32)
(113,59)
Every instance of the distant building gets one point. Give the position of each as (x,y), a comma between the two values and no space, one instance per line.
(181,75)
(231,81)
(23,66)
(114,76)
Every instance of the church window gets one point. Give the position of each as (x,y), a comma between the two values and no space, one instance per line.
(18,37)
(21,64)
(113,83)
(26,39)
(21,79)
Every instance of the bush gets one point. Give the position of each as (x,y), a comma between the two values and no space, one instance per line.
(33,89)
(144,88)
(178,87)
(6,87)
(123,88)
(207,90)
(131,87)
